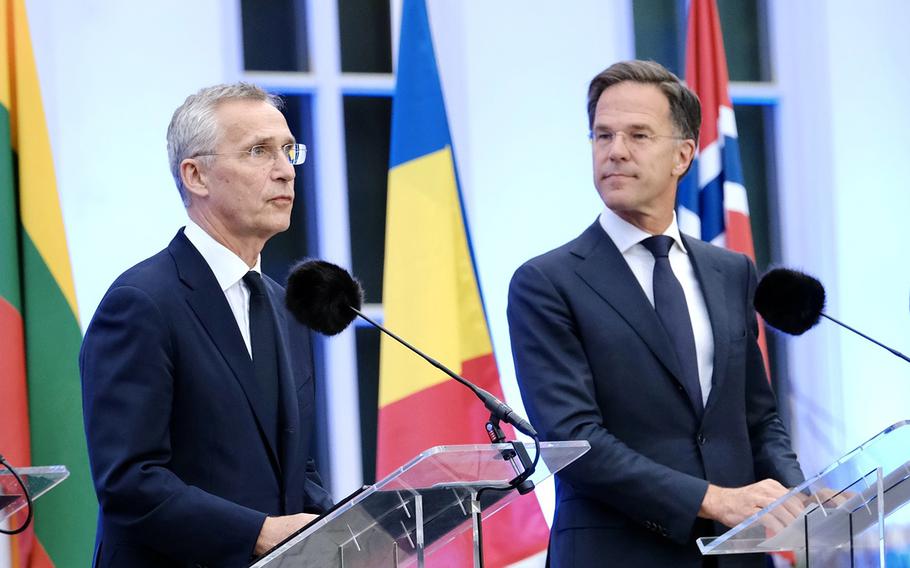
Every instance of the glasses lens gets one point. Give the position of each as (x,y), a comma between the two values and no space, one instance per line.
(296,153)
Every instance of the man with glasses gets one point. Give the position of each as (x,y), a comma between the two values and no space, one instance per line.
(197,383)
(642,341)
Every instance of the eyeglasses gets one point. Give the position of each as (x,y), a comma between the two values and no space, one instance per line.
(263,153)
(635,139)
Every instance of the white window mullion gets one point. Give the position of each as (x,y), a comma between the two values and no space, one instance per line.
(334,241)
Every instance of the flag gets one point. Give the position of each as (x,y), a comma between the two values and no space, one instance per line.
(712,202)
(41,419)
(431,296)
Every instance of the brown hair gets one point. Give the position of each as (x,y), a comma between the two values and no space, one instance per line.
(685,110)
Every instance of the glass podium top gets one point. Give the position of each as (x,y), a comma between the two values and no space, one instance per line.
(832,508)
(420,506)
(38,481)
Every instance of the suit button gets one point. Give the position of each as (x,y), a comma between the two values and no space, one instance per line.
(701,439)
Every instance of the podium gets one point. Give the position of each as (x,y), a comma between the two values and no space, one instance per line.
(849,512)
(403,519)
(37,480)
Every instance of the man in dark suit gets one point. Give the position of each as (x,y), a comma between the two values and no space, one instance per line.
(642,341)
(197,383)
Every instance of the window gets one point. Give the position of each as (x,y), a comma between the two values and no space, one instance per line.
(332,62)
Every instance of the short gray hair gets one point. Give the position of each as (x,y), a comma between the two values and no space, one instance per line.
(194,130)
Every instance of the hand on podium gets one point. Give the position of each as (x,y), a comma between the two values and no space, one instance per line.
(276,529)
(730,506)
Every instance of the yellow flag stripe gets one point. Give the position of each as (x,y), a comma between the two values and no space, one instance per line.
(430,292)
(38,200)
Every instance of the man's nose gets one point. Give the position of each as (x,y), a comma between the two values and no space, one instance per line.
(282,169)
(618,149)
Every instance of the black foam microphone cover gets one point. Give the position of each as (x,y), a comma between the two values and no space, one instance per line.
(321,294)
(790,300)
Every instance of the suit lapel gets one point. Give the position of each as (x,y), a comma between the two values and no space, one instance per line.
(604,269)
(711,280)
(207,301)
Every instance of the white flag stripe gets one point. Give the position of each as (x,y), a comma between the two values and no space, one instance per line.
(735,198)
(689,222)
(708,164)
(727,122)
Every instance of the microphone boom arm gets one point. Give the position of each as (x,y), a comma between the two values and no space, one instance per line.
(497,407)
(861,334)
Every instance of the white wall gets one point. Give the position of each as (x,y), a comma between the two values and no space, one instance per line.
(111,75)
(844,200)
(870,90)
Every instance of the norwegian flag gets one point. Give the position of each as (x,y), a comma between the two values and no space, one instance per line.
(712,197)
(712,201)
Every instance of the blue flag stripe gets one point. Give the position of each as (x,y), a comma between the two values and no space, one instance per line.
(419,124)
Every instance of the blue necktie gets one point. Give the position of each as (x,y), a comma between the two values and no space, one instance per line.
(673,312)
(265,350)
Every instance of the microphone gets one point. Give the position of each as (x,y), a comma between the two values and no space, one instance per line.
(793,302)
(326,298)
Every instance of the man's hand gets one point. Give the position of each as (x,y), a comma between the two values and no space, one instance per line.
(276,529)
(730,506)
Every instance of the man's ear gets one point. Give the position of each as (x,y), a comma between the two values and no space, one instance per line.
(684,155)
(194,179)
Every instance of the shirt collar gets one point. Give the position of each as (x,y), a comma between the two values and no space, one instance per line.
(625,235)
(227,266)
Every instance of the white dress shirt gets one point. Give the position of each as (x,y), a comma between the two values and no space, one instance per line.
(627,238)
(229,270)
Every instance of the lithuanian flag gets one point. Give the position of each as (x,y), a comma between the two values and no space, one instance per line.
(41,415)
(431,296)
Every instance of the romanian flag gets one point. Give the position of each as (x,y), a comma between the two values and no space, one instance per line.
(41,416)
(712,199)
(431,296)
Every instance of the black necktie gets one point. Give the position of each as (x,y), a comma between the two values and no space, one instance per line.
(265,350)
(673,312)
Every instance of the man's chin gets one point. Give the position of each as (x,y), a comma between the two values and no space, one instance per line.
(277,226)
(616,201)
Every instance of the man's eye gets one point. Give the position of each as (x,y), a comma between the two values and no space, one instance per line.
(640,136)
(605,136)
(259,151)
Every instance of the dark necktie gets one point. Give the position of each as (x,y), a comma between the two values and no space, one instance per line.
(673,312)
(265,350)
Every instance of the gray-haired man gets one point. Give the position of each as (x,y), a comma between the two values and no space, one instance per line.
(197,384)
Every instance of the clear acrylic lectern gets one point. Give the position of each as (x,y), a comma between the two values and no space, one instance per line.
(37,480)
(403,519)
(845,513)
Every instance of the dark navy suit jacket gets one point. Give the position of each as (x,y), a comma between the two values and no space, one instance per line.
(183,468)
(594,363)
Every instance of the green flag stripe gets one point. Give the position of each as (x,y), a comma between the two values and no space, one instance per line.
(65,517)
